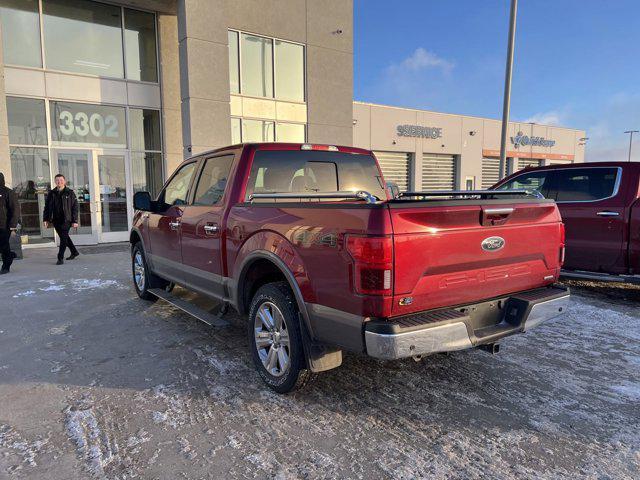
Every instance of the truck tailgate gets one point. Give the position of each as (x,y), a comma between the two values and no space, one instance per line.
(455,253)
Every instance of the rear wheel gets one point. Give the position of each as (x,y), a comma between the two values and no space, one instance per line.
(143,278)
(275,340)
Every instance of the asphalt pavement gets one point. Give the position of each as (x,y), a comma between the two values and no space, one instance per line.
(96,383)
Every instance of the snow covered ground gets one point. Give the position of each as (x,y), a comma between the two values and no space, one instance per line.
(95,383)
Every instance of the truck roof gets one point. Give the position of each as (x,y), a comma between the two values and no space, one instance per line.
(632,165)
(280,146)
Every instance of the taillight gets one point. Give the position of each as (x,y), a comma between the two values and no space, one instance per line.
(562,243)
(373,263)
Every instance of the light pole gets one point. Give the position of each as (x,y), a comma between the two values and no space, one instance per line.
(507,84)
(630,132)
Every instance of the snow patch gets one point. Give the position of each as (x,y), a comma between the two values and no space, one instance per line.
(13,444)
(27,293)
(93,445)
(52,288)
(630,390)
(90,284)
(58,330)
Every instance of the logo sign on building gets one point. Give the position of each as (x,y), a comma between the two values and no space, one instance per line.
(91,125)
(522,140)
(419,131)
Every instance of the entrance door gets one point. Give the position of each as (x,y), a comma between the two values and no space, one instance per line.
(113,195)
(77,167)
(101,181)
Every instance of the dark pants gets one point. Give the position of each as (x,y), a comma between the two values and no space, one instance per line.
(65,241)
(5,250)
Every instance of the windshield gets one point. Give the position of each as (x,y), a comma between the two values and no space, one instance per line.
(303,171)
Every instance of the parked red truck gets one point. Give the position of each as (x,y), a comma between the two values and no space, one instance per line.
(600,206)
(307,242)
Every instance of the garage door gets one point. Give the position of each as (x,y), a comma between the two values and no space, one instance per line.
(395,168)
(439,172)
(491,172)
(528,163)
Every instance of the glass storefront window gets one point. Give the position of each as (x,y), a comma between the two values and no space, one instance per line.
(257,131)
(31,182)
(89,125)
(234,66)
(27,121)
(145,129)
(21,32)
(236,135)
(146,172)
(140,45)
(289,71)
(290,132)
(257,66)
(83,37)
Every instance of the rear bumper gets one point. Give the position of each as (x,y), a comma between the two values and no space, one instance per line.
(464,327)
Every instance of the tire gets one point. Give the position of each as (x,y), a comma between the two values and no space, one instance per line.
(143,278)
(276,346)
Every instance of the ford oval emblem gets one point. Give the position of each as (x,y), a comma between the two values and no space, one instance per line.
(492,244)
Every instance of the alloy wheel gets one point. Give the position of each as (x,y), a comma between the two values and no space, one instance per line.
(138,270)
(272,339)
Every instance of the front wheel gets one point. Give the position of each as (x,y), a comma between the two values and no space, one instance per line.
(143,278)
(275,340)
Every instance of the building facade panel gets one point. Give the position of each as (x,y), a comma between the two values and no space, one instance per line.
(330,84)
(466,149)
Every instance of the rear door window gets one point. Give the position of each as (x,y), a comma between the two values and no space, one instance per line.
(213,180)
(585,184)
(536,180)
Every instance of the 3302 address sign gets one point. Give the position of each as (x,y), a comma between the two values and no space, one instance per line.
(88,124)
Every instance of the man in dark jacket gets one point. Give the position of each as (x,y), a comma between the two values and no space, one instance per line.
(9,216)
(61,210)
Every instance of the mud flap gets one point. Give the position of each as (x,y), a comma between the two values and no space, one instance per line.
(319,357)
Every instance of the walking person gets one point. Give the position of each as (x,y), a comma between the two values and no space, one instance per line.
(9,216)
(61,211)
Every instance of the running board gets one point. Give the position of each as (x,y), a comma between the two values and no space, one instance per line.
(193,310)
(600,277)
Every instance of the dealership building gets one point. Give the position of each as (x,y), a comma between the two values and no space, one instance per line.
(115,95)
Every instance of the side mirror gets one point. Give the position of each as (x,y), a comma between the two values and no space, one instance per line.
(142,201)
(393,189)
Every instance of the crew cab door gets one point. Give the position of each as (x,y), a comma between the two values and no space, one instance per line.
(202,228)
(164,225)
(594,216)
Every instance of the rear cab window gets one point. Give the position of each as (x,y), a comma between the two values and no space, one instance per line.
(294,171)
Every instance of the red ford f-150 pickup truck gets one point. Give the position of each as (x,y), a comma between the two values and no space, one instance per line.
(308,243)
(600,206)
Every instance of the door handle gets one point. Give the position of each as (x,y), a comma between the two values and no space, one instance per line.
(608,214)
(174,225)
(212,229)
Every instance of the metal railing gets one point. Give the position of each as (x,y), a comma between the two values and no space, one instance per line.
(471,193)
(359,195)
